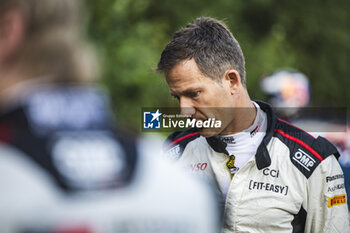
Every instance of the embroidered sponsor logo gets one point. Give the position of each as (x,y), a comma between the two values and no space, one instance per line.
(173,153)
(228,140)
(337,200)
(254,131)
(335,177)
(271,172)
(67,108)
(305,160)
(336,187)
(198,166)
(257,185)
(89,160)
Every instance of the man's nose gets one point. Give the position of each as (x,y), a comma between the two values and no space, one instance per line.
(186,106)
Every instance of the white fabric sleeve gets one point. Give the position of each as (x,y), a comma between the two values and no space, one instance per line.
(326,200)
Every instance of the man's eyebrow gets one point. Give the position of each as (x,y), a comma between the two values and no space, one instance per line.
(186,92)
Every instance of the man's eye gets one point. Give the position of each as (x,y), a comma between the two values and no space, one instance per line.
(193,94)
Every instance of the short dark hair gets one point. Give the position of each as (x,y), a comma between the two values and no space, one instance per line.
(209,42)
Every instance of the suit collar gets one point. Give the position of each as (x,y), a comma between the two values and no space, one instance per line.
(262,156)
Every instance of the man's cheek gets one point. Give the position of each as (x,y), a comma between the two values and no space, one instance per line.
(209,114)
(200,115)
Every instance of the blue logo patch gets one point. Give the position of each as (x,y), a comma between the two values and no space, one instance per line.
(151,120)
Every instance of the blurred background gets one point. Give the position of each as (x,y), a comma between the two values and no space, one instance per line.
(310,36)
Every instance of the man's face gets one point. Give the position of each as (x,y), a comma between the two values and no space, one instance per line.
(201,96)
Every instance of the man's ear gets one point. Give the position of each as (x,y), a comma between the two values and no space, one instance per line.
(233,78)
(12,33)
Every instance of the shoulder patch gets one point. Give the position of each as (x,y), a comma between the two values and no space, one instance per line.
(176,142)
(303,153)
(325,148)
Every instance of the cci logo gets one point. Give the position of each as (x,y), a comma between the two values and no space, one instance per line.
(151,120)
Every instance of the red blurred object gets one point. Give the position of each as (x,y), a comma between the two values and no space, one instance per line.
(74,229)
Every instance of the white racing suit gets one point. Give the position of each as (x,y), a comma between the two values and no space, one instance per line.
(293,184)
(64,168)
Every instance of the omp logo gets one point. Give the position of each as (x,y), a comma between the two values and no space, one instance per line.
(174,153)
(336,200)
(304,159)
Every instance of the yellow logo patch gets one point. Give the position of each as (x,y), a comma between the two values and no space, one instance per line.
(231,162)
(336,200)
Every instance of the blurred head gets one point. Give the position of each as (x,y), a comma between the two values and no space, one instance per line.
(287,88)
(43,38)
(204,68)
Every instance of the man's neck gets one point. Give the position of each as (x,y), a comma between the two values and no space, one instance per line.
(243,116)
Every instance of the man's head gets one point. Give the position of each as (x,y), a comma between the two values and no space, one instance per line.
(211,45)
(43,38)
(204,68)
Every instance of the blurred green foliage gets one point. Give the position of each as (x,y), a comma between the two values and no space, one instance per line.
(310,36)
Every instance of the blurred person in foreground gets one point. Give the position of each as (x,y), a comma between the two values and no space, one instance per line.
(63,165)
(273,177)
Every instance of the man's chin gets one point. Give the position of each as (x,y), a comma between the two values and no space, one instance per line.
(208,132)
